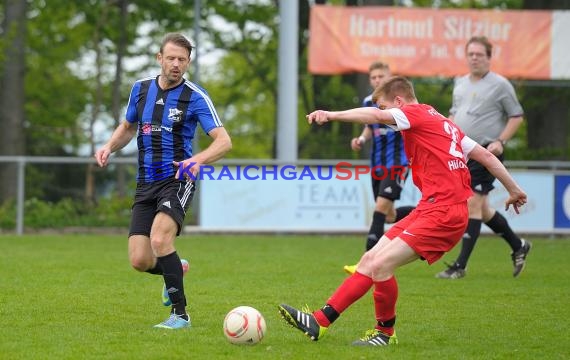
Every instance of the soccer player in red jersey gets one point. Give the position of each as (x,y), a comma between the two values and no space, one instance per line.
(437,151)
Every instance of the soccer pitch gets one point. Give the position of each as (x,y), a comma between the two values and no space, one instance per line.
(75,296)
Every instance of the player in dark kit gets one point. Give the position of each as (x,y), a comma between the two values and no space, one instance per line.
(166,110)
(487,110)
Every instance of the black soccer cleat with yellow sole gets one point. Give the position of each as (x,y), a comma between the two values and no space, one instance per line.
(302,320)
(376,337)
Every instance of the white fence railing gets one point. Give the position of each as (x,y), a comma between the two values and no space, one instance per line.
(306,204)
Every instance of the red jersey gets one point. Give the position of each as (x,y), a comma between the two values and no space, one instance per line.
(436,149)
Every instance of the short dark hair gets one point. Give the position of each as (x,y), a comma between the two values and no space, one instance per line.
(177,39)
(483,41)
(395,86)
(378,65)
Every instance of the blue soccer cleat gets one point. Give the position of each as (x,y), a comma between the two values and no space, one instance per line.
(165,298)
(174,322)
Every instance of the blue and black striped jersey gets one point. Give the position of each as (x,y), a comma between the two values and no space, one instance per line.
(167,121)
(387,144)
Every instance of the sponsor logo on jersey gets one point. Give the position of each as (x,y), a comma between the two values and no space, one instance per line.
(146,129)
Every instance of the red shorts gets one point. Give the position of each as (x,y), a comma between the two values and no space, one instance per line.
(433,231)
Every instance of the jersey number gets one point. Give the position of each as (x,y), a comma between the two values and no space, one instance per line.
(454,149)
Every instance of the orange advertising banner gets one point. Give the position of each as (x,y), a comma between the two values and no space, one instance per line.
(427,42)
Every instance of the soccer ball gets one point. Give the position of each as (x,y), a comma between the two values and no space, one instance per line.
(244,325)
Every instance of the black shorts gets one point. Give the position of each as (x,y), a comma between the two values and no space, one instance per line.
(481,179)
(387,183)
(171,196)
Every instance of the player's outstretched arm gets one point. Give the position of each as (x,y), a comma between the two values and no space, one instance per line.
(517,196)
(365,115)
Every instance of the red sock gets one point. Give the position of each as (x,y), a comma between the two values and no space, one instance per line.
(385,297)
(352,289)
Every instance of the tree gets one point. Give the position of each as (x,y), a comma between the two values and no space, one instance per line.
(12,92)
(243,84)
(116,87)
(57,93)
(324,92)
(51,95)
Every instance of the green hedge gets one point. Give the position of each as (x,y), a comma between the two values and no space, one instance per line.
(108,212)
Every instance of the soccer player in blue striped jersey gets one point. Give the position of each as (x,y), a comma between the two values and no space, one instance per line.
(164,111)
(388,159)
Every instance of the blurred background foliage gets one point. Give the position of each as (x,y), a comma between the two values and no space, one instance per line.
(66,68)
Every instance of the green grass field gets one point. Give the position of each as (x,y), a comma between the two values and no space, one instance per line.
(76,297)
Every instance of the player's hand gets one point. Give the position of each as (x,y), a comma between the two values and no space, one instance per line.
(495,148)
(320,117)
(102,156)
(356,144)
(187,169)
(516,199)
